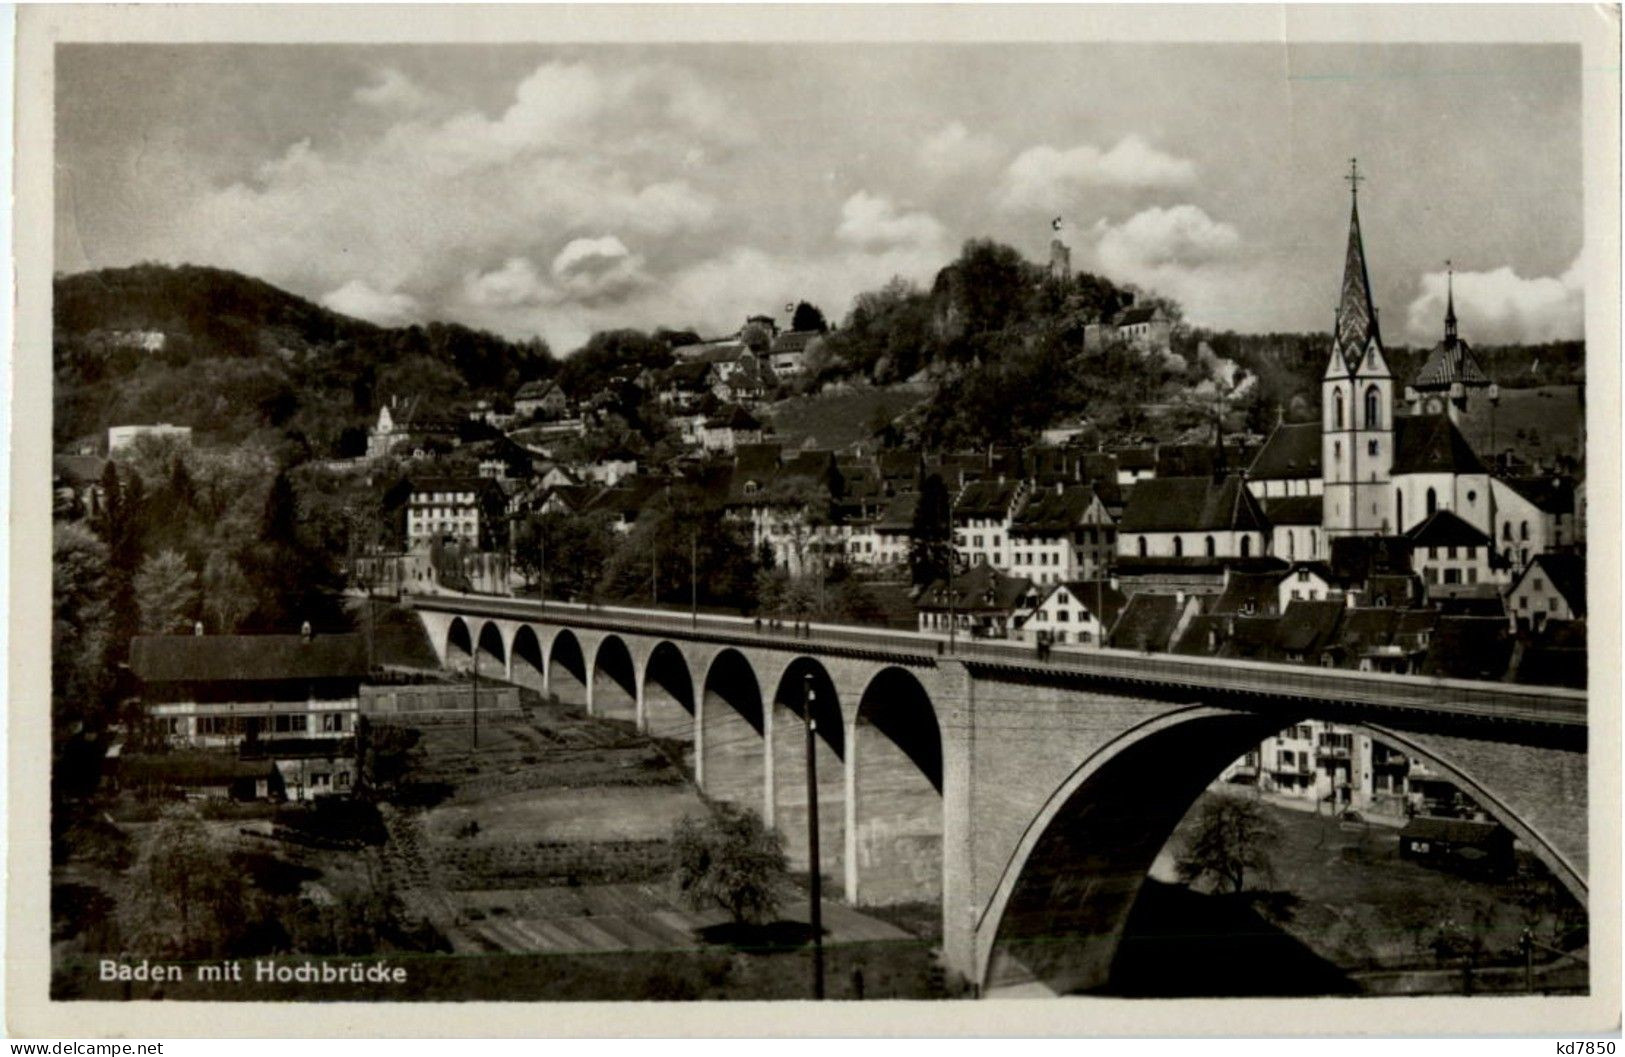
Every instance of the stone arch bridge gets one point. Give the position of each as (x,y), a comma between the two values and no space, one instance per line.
(1028,796)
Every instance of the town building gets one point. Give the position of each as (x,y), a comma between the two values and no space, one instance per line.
(293,700)
(1552,587)
(541,400)
(979,602)
(1062,533)
(408,427)
(1076,612)
(466,510)
(121,437)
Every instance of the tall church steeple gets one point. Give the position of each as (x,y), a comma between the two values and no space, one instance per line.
(1357,426)
(1356,313)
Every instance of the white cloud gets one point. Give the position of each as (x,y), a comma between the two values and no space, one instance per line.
(954,150)
(456,207)
(385,307)
(394,91)
(873,222)
(1044,178)
(1181,236)
(1500,305)
(1182,253)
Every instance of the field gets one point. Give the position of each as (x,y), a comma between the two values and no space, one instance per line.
(542,858)
(839,418)
(1343,914)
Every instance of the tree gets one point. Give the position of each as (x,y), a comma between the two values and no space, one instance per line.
(386,753)
(185,897)
(809,317)
(1232,839)
(166,592)
(228,598)
(81,622)
(729,859)
(929,549)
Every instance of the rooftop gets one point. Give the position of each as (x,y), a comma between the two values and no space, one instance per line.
(245,658)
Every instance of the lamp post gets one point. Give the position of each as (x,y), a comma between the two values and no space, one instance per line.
(694,578)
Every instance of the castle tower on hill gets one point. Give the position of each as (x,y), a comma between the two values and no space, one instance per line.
(1357,403)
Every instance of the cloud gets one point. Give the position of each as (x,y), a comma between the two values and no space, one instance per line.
(954,150)
(1180,236)
(394,91)
(1502,306)
(1044,178)
(387,308)
(1181,252)
(458,206)
(873,222)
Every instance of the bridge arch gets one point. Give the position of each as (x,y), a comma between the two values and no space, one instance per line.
(526,666)
(733,734)
(788,750)
(1060,905)
(612,688)
(459,644)
(669,707)
(567,668)
(493,651)
(896,814)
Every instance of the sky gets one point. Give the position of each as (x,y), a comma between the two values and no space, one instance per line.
(563,190)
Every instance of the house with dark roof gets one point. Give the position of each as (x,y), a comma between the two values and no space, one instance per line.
(980,602)
(894,530)
(1533,515)
(1447,550)
(1193,517)
(412,426)
(541,400)
(729,428)
(1295,528)
(1385,638)
(788,353)
(458,509)
(1466,647)
(983,512)
(1151,623)
(1076,612)
(1307,582)
(286,698)
(1062,532)
(1552,587)
(1308,633)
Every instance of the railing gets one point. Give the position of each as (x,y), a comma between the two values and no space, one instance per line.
(1488,700)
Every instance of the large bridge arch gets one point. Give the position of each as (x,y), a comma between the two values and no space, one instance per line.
(733,729)
(788,765)
(567,668)
(669,706)
(1061,902)
(459,644)
(493,652)
(526,666)
(895,817)
(612,685)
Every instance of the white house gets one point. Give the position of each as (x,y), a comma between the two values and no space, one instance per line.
(1551,587)
(1077,612)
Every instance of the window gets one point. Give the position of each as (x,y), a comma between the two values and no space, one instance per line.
(1472,576)
(1179,547)
(1142,546)
(1433,502)
(1506,530)
(333,723)
(1523,530)
(1337,449)
(1551,605)
(1371,448)
(1373,412)
(1210,548)
(1337,409)
(1246,546)
(1472,497)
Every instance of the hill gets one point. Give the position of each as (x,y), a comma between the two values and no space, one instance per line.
(236,358)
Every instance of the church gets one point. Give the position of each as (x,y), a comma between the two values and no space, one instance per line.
(1382,466)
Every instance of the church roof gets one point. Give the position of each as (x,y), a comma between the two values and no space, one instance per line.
(1445,529)
(1450,361)
(1192,504)
(1356,312)
(1432,444)
(1292,452)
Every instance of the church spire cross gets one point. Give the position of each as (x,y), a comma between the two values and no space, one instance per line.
(1354,177)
